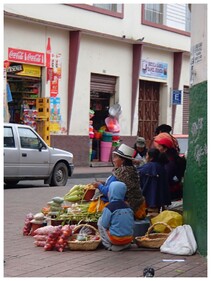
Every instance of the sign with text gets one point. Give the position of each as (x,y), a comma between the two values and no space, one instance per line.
(154,69)
(176,97)
(25,56)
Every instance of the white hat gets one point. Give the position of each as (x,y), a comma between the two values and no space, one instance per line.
(125,151)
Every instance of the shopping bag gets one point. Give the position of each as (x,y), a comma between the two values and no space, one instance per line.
(173,219)
(181,241)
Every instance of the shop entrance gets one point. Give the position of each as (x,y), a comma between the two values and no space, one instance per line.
(102,93)
(24,82)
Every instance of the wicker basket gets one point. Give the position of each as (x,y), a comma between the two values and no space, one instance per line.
(153,240)
(88,245)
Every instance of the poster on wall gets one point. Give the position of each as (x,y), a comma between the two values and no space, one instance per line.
(54,87)
(56,64)
(154,69)
(55,116)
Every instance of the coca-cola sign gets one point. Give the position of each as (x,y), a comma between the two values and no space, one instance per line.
(25,56)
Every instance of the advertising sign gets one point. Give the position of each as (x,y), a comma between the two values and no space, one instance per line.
(25,56)
(154,69)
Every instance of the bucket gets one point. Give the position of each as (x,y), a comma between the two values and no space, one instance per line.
(107,137)
(105,151)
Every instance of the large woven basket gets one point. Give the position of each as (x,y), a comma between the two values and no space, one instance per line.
(88,245)
(153,240)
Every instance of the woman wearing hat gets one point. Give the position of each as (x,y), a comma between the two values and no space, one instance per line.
(164,132)
(140,152)
(124,171)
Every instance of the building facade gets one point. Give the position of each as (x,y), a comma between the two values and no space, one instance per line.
(86,57)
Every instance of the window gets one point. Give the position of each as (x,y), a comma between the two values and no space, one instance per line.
(154,13)
(8,137)
(28,139)
(111,7)
(168,16)
(113,10)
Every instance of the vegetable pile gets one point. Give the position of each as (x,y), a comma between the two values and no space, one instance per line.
(56,221)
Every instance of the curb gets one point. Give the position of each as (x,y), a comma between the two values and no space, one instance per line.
(90,175)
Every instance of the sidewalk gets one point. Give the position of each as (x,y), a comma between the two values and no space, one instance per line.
(91,172)
(23,259)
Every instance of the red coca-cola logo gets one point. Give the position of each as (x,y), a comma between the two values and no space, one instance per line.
(16,55)
(34,58)
(25,56)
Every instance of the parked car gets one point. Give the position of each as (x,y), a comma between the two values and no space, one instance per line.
(28,157)
(183,143)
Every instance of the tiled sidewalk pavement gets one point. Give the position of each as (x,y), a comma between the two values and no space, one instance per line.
(23,259)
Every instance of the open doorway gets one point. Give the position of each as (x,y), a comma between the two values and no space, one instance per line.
(102,92)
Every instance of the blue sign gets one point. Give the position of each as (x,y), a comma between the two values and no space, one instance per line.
(176,97)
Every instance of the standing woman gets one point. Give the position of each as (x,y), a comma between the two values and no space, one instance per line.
(126,172)
(165,145)
(154,182)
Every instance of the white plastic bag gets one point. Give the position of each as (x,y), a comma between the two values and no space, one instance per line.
(181,241)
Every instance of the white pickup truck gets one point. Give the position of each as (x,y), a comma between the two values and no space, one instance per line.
(28,157)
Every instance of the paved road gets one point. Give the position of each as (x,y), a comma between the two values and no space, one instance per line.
(23,259)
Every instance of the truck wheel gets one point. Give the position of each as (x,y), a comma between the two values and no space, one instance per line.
(60,175)
(11,183)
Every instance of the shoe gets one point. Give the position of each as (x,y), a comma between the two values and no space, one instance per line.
(108,249)
(116,248)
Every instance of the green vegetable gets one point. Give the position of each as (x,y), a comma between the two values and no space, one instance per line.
(73,198)
(58,200)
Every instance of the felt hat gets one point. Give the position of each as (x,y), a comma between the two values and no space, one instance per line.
(124,151)
(140,142)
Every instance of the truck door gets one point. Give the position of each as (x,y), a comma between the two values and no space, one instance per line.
(33,162)
(11,153)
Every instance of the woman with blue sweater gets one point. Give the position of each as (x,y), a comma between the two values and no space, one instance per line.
(117,221)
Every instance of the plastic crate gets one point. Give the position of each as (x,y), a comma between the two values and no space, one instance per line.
(43,111)
(43,102)
(43,128)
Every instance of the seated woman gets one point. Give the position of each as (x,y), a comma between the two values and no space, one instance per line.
(125,172)
(140,152)
(154,183)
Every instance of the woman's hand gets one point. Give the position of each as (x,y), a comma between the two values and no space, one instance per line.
(96,184)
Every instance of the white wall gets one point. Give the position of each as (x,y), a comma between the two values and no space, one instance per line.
(130,25)
(98,55)
(199,37)
(19,35)
(103,57)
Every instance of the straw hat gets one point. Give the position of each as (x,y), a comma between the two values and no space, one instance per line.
(125,151)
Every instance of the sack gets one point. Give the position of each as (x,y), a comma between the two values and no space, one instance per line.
(181,241)
(173,219)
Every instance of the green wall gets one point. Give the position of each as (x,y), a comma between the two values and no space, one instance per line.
(195,181)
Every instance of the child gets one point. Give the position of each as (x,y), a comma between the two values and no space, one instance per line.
(117,221)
